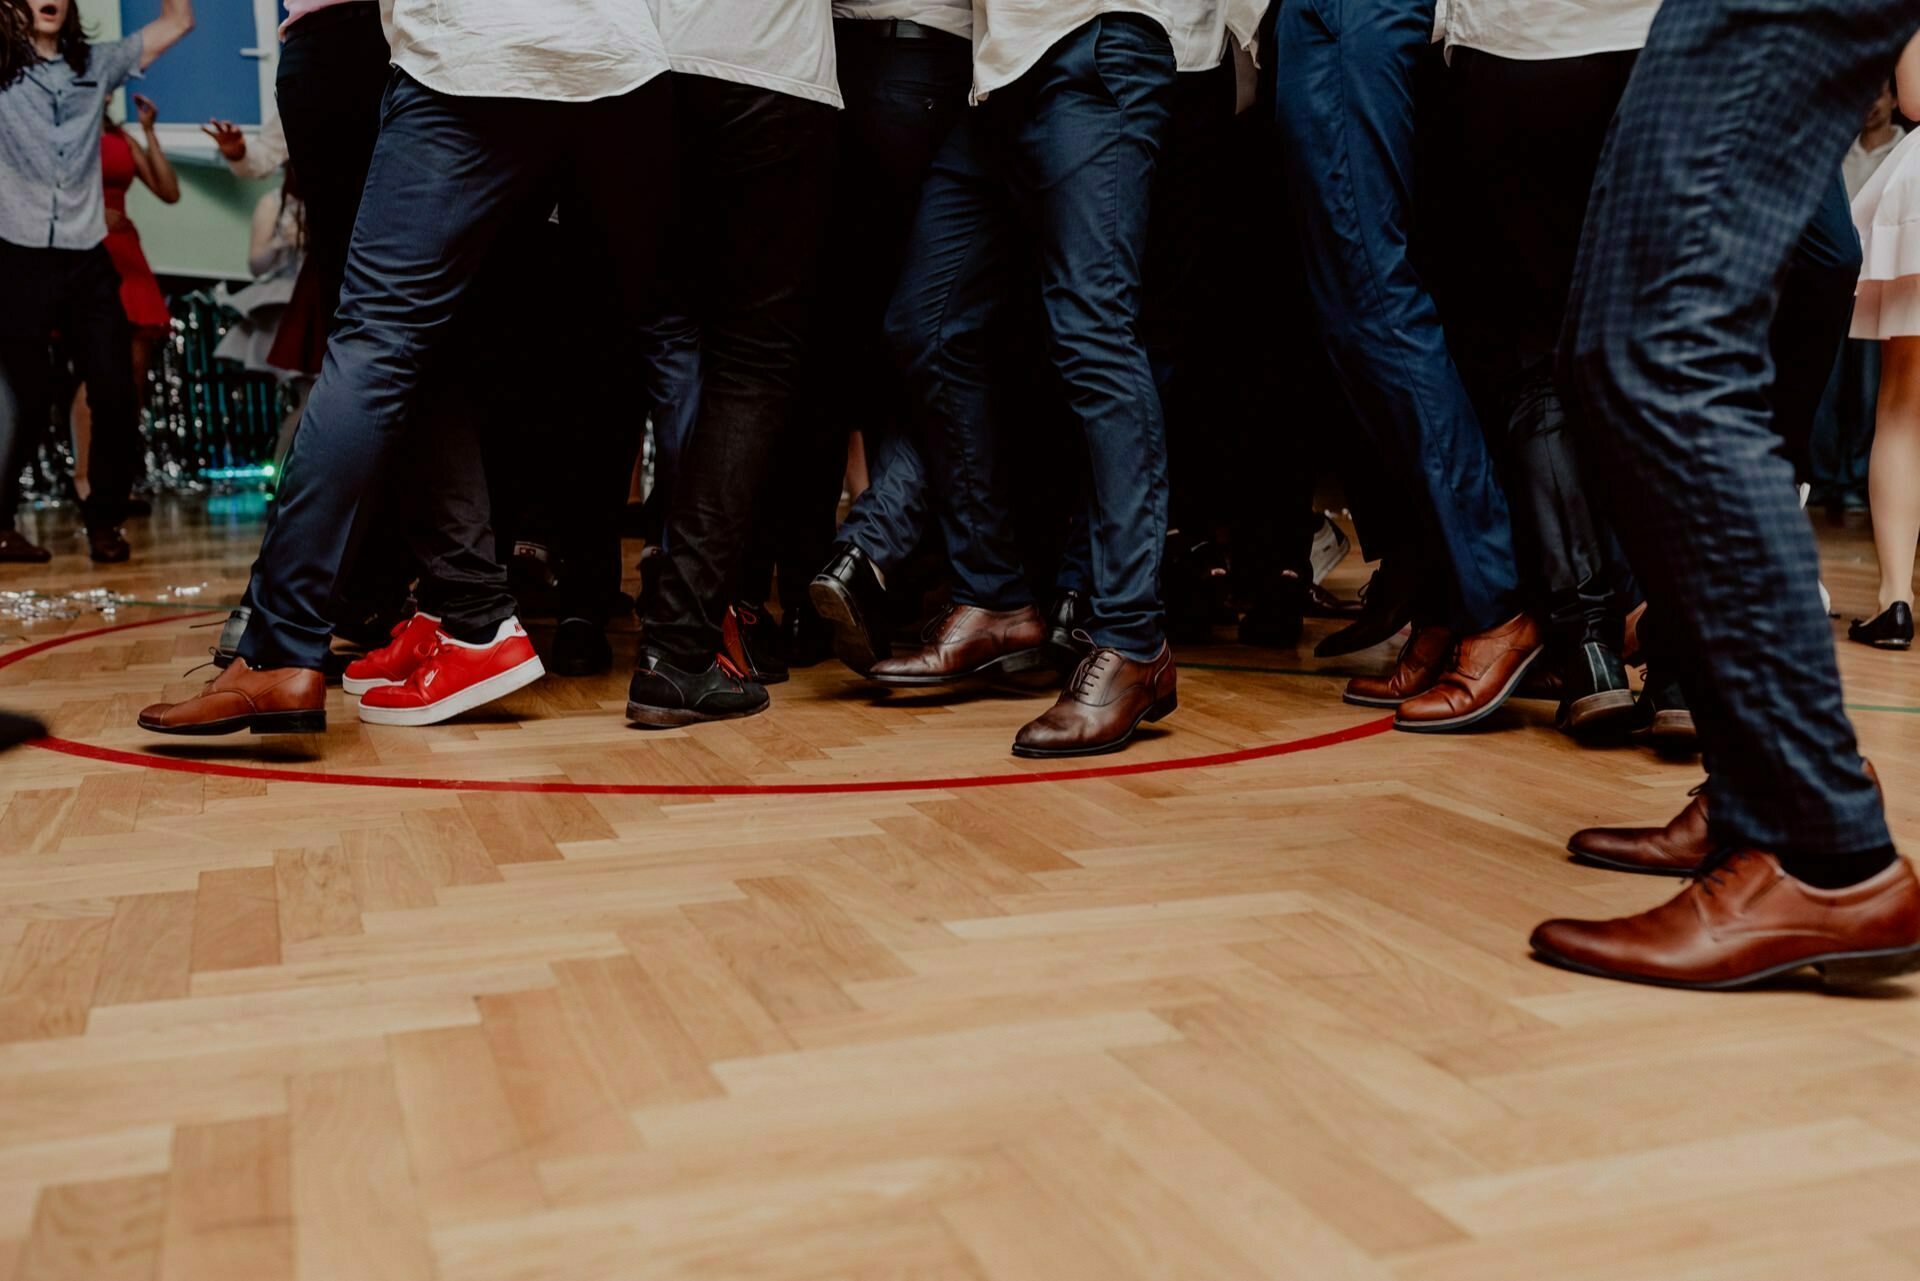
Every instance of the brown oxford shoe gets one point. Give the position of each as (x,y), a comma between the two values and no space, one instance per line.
(276,700)
(1102,705)
(968,641)
(1746,920)
(1422,661)
(1680,848)
(1487,667)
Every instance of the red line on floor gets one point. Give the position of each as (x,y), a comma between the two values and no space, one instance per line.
(144,760)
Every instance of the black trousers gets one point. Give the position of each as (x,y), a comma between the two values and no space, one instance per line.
(77,293)
(903,96)
(753,168)
(450,178)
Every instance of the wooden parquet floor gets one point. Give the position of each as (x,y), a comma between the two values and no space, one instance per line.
(1264,1020)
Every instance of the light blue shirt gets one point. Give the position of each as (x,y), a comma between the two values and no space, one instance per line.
(50,194)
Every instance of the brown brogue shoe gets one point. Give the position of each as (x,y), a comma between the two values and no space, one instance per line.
(968,641)
(1681,848)
(1678,849)
(276,700)
(1487,667)
(1103,705)
(1422,661)
(1745,920)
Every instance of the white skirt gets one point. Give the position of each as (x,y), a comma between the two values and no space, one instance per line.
(1887,215)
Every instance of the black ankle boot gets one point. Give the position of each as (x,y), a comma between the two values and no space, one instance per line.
(1596,700)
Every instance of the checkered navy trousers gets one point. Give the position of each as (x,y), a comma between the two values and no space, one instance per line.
(1734,125)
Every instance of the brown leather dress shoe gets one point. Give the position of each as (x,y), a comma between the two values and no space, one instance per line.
(1681,848)
(276,700)
(1105,702)
(1744,921)
(1487,668)
(1678,849)
(1422,661)
(968,641)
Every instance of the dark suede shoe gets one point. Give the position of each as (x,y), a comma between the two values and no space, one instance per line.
(579,649)
(1597,700)
(662,696)
(1387,606)
(848,597)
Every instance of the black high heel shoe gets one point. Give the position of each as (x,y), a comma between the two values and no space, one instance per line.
(1892,630)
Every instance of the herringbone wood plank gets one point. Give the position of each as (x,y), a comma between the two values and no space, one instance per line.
(1273,1019)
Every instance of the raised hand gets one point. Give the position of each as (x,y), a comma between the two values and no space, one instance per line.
(227,136)
(147,111)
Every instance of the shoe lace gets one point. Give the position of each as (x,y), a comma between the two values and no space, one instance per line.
(1088,673)
(1707,875)
(728,666)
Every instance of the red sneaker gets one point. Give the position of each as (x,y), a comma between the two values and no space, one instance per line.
(393,662)
(456,677)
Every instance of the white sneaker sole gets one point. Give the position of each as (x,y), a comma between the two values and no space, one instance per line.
(356,688)
(487,691)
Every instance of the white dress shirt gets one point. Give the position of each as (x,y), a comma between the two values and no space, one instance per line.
(782,45)
(1201,29)
(1861,164)
(1538,30)
(1011,36)
(955,17)
(553,51)
(266,151)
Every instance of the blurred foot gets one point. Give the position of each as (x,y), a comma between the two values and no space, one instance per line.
(107,546)
(16,550)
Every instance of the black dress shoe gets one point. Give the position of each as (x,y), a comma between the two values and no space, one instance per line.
(1387,606)
(1596,699)
(805,638)
(1663,719)
(662,695)
(1892,630)
(15,730)
(848,598)
(107,546)
(17,549)
(1275,620)
(1068,618)
(580,649)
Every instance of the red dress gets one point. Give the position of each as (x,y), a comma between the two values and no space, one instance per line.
(140,295)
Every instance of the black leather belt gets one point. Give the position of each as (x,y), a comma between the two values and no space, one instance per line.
(895,29)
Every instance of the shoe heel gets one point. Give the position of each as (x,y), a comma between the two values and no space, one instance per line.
(1163,709)
(1855,971)
(289,723)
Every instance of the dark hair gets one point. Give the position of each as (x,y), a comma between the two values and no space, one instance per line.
(16,40)
(73,42)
